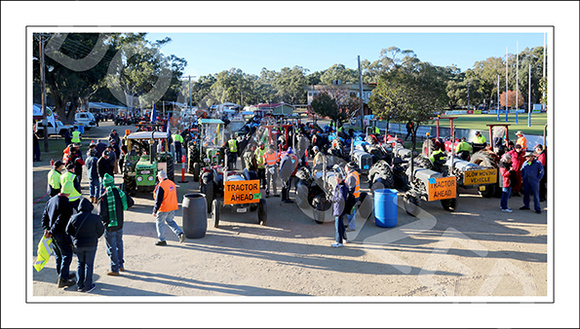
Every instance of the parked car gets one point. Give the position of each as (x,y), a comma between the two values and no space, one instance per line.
(52,130)
(85,118)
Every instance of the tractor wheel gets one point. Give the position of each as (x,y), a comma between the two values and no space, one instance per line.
(412,206)
(262,212)
(449,204)
(208,190)
(215,213)
(129,186)
(424,162)
(487,159)
(195,172)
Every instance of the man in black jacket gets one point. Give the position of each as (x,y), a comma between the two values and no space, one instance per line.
(55,217)
(104,167)
(86,229)
(111,205)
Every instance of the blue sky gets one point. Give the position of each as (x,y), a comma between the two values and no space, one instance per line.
(214,52)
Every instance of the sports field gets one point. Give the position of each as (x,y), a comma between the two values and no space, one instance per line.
(479,122)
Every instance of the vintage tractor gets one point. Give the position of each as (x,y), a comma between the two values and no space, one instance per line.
(241,191)
(207,149)
(142,161)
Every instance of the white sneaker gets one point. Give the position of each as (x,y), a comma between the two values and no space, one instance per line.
(506,210)
(337,245)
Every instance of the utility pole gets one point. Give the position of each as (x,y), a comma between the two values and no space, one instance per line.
(530,95)
(43,92)
(189,87)
(362,106)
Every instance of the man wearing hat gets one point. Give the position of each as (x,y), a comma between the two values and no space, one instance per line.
(532,173)
(165,195)
(54,178)
(522,141)
(104,167)
(479,139)
(55,217)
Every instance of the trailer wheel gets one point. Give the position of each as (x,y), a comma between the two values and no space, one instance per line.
(411,205)
(449,204)
(262,212)
(215,206)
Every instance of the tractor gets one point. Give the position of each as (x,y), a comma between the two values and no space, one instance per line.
(143,160)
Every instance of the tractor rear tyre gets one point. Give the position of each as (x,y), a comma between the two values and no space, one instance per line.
(486,159)
(262,212)
(449,204)
(196,170)
(411,205)
(208,190)
(424,162)
(215,206)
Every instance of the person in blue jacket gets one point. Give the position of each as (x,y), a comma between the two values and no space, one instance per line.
(85,228)
(532,172)
(339,204)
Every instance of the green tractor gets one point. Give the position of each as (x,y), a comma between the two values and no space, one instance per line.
(143,161)
(208,148)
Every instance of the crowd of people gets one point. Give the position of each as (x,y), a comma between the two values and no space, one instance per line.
(70,222)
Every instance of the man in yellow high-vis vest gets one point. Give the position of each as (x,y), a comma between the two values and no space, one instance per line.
(232,152)
(75,196)
(76,136)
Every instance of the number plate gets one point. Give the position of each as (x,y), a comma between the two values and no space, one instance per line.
(242,210)
(145,172)
(482,188)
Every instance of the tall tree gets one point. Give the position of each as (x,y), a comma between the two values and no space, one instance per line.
(73,71)
(324,105)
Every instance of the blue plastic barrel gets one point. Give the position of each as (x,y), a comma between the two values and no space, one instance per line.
(386,207)
(81,128)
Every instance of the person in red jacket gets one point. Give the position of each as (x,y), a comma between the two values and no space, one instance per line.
(517,155)
(165,195)
(505,169)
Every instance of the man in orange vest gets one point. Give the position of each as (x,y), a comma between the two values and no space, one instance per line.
(271,160)
(522,141)
(353,183)
(165,195)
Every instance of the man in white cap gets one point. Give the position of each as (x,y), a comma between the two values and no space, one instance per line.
(165,195)
(532,173)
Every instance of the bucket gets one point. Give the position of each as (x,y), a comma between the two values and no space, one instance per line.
(386,208)
(194,215)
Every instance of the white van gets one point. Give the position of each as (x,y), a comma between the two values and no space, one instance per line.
(86,118)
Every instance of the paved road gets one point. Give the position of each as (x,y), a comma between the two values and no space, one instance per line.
(476,251)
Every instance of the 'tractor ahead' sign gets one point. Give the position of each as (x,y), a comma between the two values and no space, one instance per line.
(242,192)
(442,188)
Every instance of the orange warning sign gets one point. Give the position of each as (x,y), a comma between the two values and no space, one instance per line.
(242,192)
(442,188)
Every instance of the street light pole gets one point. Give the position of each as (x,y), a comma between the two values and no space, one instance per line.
(43,93)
